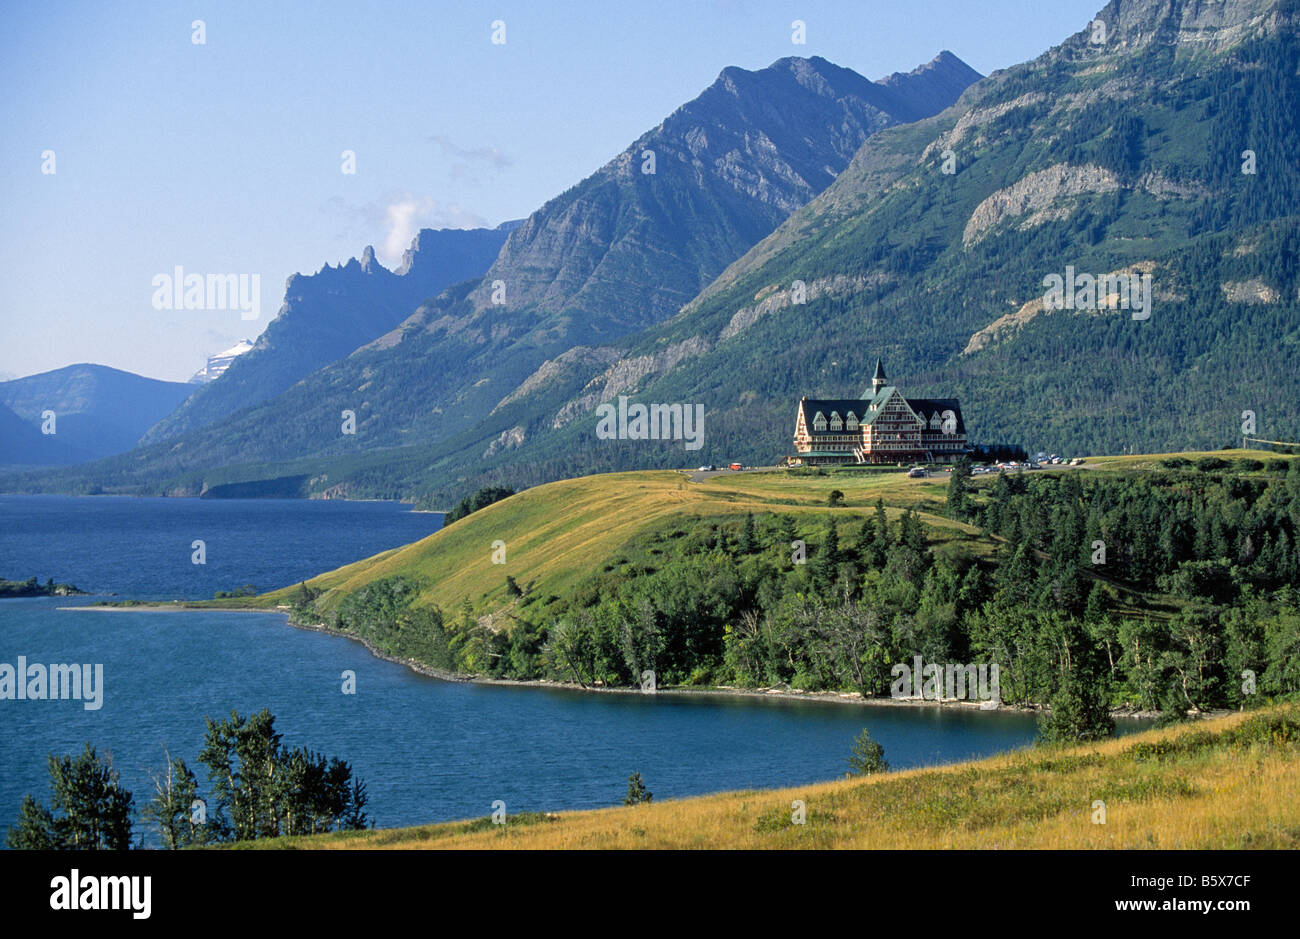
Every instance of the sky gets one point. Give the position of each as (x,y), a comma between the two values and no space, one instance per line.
(227,156)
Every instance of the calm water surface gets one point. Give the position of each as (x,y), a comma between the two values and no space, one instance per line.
(428,750)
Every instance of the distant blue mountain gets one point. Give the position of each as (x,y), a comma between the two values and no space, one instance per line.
(98,411)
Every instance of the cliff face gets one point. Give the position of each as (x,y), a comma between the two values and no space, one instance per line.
(328,314)
(641,236)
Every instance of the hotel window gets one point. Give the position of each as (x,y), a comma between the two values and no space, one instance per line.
(819,421)
(852,422)
(836,423)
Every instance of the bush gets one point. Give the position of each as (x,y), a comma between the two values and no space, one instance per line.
(1079,712)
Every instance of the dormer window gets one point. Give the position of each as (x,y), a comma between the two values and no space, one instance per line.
(934,421)
(819,421)
(836,423)
(851,423)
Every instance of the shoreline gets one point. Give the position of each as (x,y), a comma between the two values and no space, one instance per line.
(768,694)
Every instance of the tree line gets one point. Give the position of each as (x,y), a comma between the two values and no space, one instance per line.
(259,788)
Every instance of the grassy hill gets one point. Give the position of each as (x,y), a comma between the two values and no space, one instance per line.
(558,532)
(1232,782)
(1151,582)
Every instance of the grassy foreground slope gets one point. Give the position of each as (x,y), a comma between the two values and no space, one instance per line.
(1232,782)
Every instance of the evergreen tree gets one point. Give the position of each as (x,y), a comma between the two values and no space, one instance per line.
(90,811)
(826,563)
(959,501)
(867,756)
(1078,712)
(636,791)
(788,533)
(748,544)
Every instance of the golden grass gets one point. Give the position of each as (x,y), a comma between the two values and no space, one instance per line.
(1224,793)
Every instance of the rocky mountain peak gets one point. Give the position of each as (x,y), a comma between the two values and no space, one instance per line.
(1209,25)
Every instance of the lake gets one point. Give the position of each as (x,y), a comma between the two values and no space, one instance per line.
(428,750)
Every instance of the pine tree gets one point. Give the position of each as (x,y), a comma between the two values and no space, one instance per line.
(882,529)
(825,564)
(867,756)
(748,544)
(788,533)
(959,502)
(1078,712)
(636,791)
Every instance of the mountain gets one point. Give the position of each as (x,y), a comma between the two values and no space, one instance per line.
(98,411)
(634,241)
(1166,150)
(328,314)
(623,249)
(21,444)
(618,251)
(217,364)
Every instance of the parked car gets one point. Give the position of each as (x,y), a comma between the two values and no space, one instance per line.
(707,469)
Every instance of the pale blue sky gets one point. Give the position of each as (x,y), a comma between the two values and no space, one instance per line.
(225,157)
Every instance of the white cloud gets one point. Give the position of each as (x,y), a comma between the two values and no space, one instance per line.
(397,217)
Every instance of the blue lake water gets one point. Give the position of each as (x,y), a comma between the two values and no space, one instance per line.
(428,750)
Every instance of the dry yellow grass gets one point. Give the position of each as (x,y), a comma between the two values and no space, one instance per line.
(1216,784)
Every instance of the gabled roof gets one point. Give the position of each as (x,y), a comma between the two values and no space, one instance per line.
(929,406)
(868,409)
(811,406)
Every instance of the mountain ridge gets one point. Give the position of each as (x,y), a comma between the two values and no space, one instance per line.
(330,313)
(605,273)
